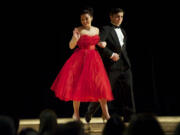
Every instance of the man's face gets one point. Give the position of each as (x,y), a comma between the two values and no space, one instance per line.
(117,18)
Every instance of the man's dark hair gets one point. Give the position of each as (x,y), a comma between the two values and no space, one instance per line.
(115,11)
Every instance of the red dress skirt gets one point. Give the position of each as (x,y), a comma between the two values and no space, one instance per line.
(83,77)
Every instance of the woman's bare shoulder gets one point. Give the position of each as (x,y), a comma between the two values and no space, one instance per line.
(95,29)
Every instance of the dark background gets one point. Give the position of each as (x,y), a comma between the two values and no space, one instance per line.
(34,47)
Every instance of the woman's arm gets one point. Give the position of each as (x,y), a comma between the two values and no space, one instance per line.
(74,39)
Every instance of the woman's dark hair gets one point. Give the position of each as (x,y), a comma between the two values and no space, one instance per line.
(115,11)
(87,10)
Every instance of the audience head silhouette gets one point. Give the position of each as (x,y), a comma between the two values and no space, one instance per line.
(7,126)
(114,125)
(74,127)
(48,122)
(144,124)
(28,131)
(177,130)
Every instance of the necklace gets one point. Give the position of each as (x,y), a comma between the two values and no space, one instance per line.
(87,28)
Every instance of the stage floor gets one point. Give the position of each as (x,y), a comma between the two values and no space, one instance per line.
(96,125)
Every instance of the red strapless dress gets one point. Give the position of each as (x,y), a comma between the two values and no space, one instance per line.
(83,76)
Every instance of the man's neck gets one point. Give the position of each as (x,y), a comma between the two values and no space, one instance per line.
(115,24)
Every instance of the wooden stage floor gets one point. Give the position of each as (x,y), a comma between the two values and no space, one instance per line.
(168,124)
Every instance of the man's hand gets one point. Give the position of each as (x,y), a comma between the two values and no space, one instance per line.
(115,57)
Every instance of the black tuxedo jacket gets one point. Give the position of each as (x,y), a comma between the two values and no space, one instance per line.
(108,34)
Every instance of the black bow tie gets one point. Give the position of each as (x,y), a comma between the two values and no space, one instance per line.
(114,26)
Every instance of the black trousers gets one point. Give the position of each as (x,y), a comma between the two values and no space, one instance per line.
(122,88)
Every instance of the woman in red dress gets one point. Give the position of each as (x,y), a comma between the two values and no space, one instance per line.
(83,77)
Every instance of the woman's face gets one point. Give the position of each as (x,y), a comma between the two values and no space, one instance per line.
(86,20)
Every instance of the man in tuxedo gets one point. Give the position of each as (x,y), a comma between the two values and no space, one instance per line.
(118,67)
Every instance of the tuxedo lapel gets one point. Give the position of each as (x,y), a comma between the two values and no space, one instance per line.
(115,37)
(124,35)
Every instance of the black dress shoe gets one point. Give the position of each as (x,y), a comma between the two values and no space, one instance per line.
(127,118)
(88,117)
(128,114)
(92,108)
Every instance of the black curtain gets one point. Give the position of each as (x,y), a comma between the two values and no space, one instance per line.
(35,47)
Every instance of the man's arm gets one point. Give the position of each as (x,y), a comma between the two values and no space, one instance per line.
(103,36)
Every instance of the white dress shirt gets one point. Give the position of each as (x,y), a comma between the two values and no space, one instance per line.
(120,37)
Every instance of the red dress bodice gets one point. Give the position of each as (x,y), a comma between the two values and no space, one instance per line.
(87,41)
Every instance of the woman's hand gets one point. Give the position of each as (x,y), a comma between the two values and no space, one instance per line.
(102,44)
(76,34)
(75,38)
